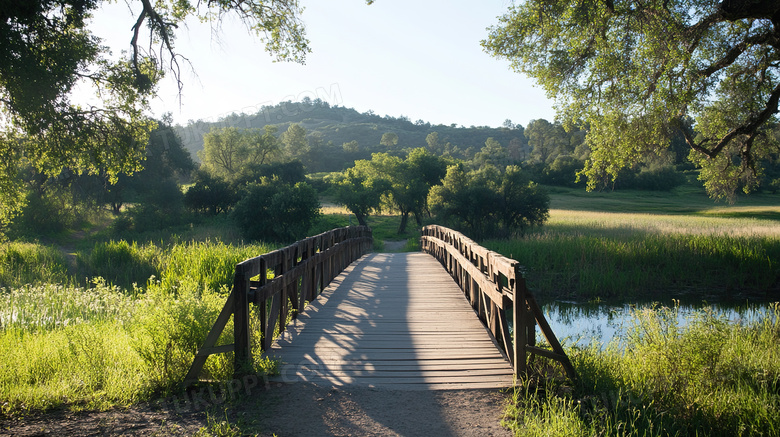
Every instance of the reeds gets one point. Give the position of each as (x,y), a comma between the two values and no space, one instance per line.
(31,263)
(585,256)
(672,374)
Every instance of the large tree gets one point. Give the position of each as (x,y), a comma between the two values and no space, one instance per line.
(635,72)
(410,180)
(47,51)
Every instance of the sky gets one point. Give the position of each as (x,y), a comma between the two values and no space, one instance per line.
(419,59)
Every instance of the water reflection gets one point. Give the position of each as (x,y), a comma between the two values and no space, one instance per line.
(583,324)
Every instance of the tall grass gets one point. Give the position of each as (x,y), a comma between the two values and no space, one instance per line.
(605,255)
(710,377)
(31,263)
(49,306)
(209,265)
(121,339)
(121,263)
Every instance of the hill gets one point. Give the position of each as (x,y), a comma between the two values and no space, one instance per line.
(329,128)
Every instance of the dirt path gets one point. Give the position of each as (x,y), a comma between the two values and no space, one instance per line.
(299,409)
(394,246)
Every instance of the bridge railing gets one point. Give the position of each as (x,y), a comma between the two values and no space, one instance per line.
(494,284)
(300,272)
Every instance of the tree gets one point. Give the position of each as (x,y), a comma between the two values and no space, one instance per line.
(410,180)
(488,203)
(492,153)
(46,51)
(351,147)
(295,143)
(360,189)
(231,153)
(389,139)
(635,72)
(261,147)
(209,195)
(222,151)
(167,163)
(275,211)
(547,141)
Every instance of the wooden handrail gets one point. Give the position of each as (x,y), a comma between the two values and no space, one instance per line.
(300,272)
(493,284)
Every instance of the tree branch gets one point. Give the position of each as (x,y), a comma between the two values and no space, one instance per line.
(749,128)
(737,50)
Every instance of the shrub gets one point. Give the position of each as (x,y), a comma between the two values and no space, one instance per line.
(43,215)
(277,212)
(168,330)
(210,195)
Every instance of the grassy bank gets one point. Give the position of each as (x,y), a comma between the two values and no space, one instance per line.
(710,377)
(586,255)
(127,336)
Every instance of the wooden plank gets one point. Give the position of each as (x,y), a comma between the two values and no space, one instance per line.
(394,316)
(206,351)
(211,339)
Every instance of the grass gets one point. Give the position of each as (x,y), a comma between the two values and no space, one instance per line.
(31,263)
(587,255)
(129,332)
(711,377)
(685,200)
(126,336)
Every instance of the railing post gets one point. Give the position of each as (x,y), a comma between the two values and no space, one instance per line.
(519,323)
(243,350)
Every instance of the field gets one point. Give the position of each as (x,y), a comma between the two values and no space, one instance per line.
(628,247)
(98,323)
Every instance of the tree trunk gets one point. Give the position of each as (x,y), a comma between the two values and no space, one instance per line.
(404,220)
(361,218)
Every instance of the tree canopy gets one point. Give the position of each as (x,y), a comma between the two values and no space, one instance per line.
(488,203)
(635,73)
(47,51)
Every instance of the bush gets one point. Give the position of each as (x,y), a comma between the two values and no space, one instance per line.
(277,212)
(168,330)
(210,195)
(43,215)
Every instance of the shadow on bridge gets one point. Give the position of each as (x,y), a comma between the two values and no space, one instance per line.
(395,321)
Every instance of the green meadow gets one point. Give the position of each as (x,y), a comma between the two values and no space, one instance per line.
(126,335)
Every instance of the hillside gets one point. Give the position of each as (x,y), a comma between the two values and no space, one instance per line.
(330,127)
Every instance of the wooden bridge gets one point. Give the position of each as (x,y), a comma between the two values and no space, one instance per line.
(385,320)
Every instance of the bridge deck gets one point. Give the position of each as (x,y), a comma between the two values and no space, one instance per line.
(396,321)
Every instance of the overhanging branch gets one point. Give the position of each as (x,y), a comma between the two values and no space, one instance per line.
(749,128)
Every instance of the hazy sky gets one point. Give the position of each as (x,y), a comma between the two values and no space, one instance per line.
(421,59)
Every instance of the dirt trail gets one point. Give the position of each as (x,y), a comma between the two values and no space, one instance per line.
(299,409)
(394,246)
